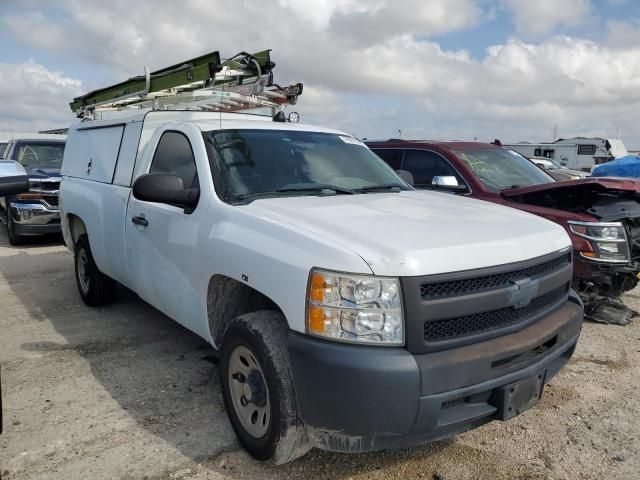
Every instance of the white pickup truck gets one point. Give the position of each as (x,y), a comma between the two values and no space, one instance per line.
(350,312)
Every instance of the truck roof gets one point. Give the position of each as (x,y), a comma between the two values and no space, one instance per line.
(450,144)
(205,121)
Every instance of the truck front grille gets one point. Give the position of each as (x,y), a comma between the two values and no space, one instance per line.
(633,232)
(453,309)
(481,322)
(477,284)
(52,200)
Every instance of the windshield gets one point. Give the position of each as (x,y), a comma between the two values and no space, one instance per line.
(266,163)
(552,165)
(39,155)
(501,169)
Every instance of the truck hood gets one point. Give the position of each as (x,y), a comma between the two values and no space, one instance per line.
(38,172)
(593,183)
(418,233)
(603,197)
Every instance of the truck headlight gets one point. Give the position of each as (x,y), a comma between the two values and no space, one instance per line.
(609,241)
(355,308)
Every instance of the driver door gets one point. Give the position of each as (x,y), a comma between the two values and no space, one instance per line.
(163,240)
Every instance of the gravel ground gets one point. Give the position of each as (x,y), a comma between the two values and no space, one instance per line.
(124,392)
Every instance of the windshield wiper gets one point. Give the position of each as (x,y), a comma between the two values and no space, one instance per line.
(313,187)
(394,187)
(307,187)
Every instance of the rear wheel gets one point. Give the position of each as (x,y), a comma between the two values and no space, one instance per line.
(94,286)
(257,388)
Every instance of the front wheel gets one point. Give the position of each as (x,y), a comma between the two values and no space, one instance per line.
(257,388)
(94,286)
(14,238)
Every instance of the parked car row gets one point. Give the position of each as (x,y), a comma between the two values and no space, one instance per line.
(351,311)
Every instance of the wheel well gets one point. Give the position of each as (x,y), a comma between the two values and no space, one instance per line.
(228,298)
(76,227)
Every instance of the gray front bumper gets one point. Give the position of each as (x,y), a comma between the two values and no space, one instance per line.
(359,398)
(34,218)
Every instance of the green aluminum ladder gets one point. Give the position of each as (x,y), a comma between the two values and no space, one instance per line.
(241,82)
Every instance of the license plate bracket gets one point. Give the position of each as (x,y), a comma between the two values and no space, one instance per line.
(515,398)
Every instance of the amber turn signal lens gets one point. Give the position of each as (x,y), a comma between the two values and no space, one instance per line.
(316,319)
(29,196)
(589,254)
(317,288)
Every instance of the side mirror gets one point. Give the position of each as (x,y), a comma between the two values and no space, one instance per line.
(165,188)
(406,175)
(446,181)
(13,178)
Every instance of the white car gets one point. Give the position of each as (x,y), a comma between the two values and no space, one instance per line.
(350,312)
(557,171)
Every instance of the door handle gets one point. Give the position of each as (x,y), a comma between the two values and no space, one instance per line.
(139,220)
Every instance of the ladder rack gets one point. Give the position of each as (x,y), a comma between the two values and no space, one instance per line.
(242,82)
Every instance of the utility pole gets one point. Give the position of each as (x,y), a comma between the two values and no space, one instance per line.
(399,133)
(555,132)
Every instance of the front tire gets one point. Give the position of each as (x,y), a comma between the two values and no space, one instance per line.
(94,286)
(14,238)
(257,388)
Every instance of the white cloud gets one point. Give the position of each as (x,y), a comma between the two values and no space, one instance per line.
(369,67)
(623,34)
(35,98)
(539,17)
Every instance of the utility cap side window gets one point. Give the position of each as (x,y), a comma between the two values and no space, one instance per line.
(174,155)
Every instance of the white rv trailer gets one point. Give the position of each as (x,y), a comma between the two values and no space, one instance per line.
(579,153)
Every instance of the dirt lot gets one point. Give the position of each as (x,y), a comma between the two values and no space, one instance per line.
(123,392)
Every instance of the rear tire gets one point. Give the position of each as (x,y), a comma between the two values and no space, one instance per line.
(258,390)
(94,286)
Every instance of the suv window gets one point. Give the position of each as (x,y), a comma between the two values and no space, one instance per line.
(175,155)
(424,165)
(391,156)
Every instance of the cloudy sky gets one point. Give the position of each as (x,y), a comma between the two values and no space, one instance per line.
(450,69)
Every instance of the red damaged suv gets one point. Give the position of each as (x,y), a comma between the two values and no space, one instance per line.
(601,215)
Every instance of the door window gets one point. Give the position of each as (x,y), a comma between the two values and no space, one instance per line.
(424,165)
(175,155)
(392,157)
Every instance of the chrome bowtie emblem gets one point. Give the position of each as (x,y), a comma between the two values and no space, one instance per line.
(522,292)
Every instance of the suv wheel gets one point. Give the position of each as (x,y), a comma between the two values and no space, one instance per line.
(94,286)
(257,388)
